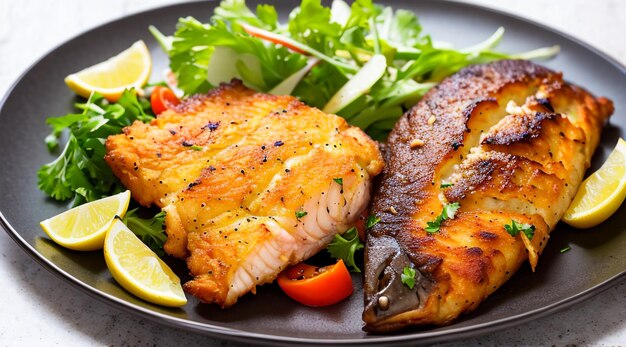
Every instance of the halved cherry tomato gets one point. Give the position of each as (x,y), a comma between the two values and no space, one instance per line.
(162,98)
(315,287)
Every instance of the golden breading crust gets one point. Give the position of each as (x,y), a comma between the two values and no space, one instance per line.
(248,182)
(510,141)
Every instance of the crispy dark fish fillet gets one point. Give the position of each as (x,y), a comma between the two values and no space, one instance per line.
(247,181)
(514,141)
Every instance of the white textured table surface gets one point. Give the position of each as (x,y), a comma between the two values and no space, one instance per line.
(37,308)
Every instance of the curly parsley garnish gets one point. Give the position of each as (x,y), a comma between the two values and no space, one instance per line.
(80,172)
(514,228)
(344,246)
(448,212)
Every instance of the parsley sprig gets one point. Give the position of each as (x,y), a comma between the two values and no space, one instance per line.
(80,172)
(345,246)
(514,228)
(448,212)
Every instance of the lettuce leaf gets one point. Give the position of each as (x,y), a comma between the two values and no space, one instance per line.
(344,37)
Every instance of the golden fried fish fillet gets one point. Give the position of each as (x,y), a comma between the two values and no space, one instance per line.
(507,141)
(251,183)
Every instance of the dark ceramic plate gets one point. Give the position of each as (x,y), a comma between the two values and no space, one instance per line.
(596,260)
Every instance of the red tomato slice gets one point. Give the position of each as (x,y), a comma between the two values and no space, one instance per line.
(315,287)
(162,98)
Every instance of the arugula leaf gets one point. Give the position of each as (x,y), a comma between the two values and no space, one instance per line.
(402,27)
(231,10)
(310,24)
(80,171)
(194,44)
(448,212)
(344,246)
(150,231)
(514,228)
(408,276)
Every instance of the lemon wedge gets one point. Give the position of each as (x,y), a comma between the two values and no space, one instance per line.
(139,270)
(602,193)
(129,69)
(83,228)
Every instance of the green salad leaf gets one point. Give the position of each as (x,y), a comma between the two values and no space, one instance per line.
(80,172)
(343,37)
(150,230)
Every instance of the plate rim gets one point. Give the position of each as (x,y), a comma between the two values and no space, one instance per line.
(239,335)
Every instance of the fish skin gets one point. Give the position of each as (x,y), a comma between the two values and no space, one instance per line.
(520,160)
(233,168)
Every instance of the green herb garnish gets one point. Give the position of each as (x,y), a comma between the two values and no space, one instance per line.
(408,277)
(566,249)
(300,214)
(448,212)
(371,221)
(343,39)
(150,231)
(80,172)
(196,148)
(344,246)
(514,228)
(445,185)
(338,180)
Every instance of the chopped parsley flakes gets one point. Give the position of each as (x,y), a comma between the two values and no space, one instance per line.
(338,180)
(514,228)
(300,214)
(448,212)
(371,221)
(408,277)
